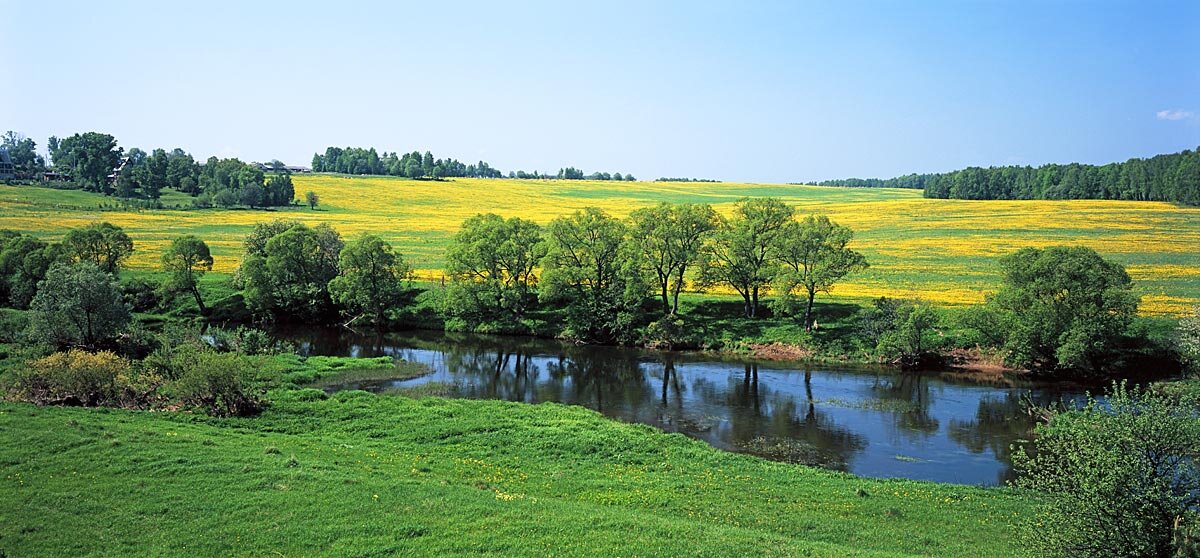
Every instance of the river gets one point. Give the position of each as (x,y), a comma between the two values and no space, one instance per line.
(875,422)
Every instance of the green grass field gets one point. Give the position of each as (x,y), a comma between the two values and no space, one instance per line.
(941,250)
(365,475)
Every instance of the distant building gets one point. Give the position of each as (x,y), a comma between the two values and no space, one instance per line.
(7,170)
(294,169)
(116,172)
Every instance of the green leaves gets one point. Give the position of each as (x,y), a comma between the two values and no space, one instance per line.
(814,255)
(1122,476)
(1069,306)
(491,265)
(370,277)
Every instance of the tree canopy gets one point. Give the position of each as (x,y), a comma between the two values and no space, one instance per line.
(103,244)
(742,252)
(370,279)
(185,261)
(78,304)
(814,255)
(1069,305)
(491,263)
(586,264)
(666,242)
(289,278)
(1173,177)
(357,160)
(1123,477)
(89,157)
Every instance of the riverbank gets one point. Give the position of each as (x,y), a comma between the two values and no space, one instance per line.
(358,474)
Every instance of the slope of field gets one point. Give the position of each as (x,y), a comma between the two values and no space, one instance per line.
(364,475)
(941,250)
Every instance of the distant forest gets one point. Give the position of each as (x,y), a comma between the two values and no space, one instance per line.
(1172,178)
(357,160)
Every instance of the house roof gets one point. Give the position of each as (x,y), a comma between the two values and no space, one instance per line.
(4,156)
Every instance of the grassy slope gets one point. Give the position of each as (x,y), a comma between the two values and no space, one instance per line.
(942,250)
(362,475)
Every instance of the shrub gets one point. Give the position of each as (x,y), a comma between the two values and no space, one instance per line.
(136,342)
(140,295)
(913,340)
(74,378)
(77,305)
(12,325)
(1189,340)
(218,383)
(244,340)
(1123,478)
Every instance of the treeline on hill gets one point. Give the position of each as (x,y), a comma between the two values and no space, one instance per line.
(357,160)
(666,179)
(94,162)
(1171,178)
(571,173)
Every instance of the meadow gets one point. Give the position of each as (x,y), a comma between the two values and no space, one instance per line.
(355,474)
(940,250)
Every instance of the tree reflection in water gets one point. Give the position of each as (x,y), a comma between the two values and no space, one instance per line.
(863,421)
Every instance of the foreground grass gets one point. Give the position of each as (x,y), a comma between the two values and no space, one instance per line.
(365,475)
(942,250)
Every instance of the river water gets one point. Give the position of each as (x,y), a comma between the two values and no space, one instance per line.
(874,422)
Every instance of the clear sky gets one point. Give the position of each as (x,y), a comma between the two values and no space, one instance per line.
(755,91)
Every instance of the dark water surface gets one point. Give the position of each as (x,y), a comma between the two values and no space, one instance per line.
(871,422)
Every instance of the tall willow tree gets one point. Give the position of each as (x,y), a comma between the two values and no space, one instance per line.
(587,266)
(742,251)
(186,260)
(491,263)
(814,255)
(370,279)
(667,240)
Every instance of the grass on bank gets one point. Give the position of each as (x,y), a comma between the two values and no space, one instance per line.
(357,474)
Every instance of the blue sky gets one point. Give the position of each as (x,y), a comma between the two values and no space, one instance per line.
(755,91)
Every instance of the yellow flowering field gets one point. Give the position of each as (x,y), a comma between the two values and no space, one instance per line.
(941,250)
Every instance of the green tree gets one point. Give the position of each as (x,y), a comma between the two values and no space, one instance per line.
(155,176)
(666,241)
(1189,339)
(90,156)
(370,279)
(491,263)
(291,276)
(312,199)
(587,266)
(103,244)
(183,173)
(912,336)
(1123,477)
(256,240)
(23,152)
(78,304)
(24,261)
(186,260)
(253,195)
(280,190)
(741,254)
(1069,307)
(814,255)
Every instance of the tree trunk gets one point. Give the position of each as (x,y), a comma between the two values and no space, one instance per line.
(747,306)
(199,301)
(754,302)
(808,315)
